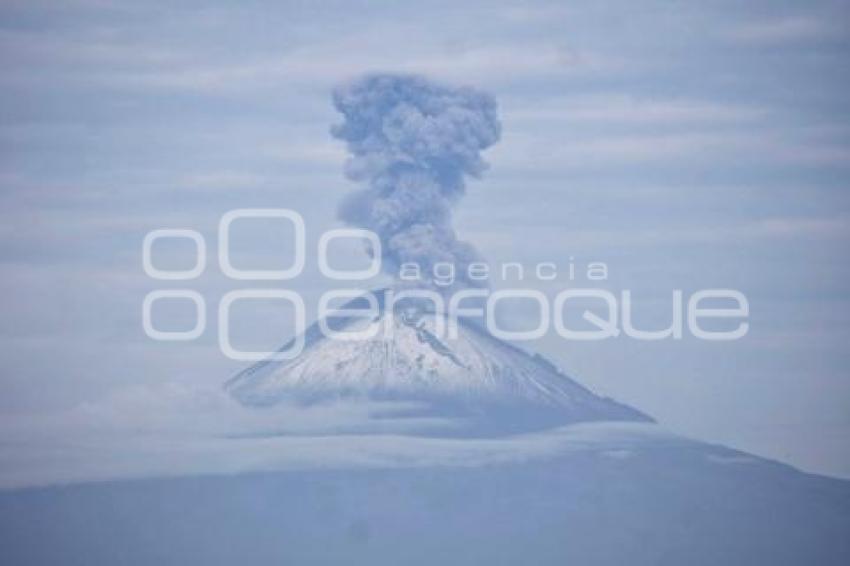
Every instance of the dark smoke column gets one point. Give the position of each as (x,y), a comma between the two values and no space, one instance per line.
(412,144)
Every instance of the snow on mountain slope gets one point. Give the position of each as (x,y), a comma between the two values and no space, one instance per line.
(470,375)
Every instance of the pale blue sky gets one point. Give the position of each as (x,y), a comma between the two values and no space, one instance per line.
(687,145)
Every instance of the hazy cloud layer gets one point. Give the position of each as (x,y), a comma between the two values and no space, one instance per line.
(175,431)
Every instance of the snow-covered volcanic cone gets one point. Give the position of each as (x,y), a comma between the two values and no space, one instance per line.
(480,382)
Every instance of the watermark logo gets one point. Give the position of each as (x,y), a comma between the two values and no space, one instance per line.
(612,317)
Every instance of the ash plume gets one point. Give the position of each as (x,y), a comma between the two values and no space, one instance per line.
(413,144)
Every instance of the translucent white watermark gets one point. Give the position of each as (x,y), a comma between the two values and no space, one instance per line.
(290,272)
(162,294)
(612,316)
(290,351)
(174,275)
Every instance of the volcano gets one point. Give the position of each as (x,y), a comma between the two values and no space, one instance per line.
(475,382)
(482,487)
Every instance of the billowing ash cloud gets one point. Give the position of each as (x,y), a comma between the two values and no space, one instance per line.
(413,144)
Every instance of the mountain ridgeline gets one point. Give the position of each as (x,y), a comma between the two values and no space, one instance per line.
(471,383)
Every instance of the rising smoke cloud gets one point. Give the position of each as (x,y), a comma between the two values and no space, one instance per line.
(413,144)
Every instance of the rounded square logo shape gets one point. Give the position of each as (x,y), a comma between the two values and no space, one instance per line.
(299,245)
(345,275)
(528,294)
(297,343)
(178,275)
(164,335)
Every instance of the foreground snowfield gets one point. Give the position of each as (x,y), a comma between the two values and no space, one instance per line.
(605,493)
